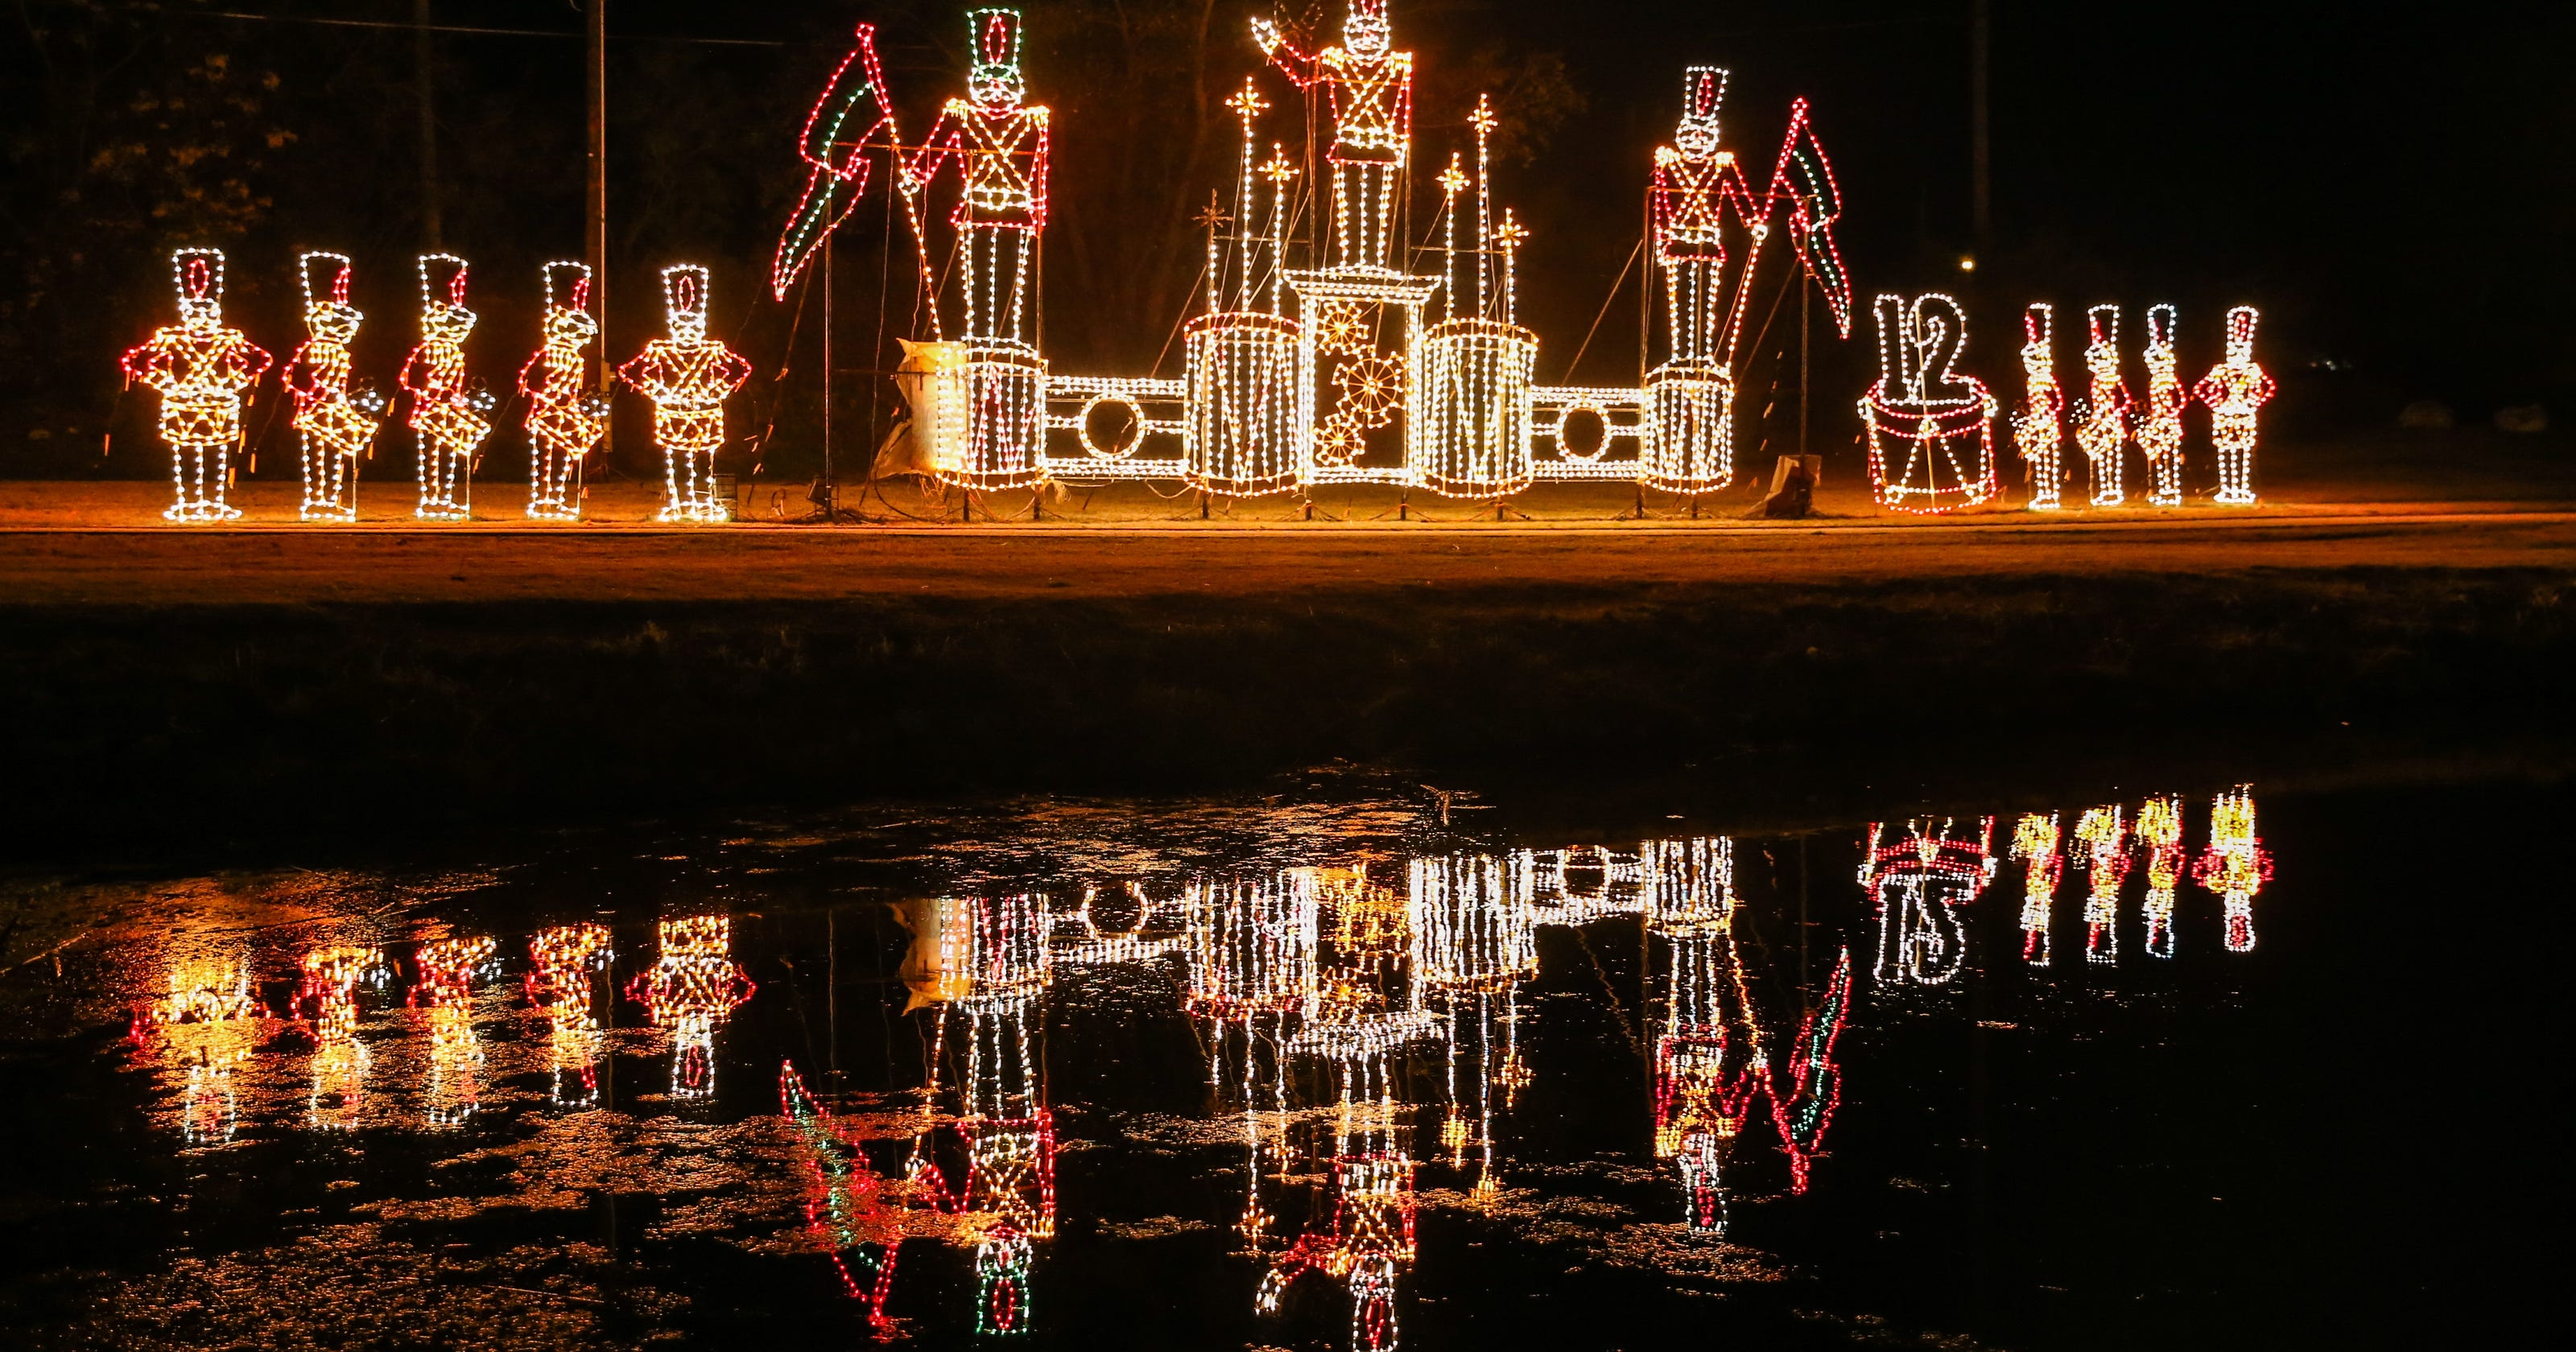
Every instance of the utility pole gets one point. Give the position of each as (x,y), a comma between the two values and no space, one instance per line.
(420,73)
(595,197)
(1981,151)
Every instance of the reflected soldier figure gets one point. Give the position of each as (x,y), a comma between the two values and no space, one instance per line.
(201,370)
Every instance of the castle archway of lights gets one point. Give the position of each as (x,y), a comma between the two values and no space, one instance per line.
(1328,342)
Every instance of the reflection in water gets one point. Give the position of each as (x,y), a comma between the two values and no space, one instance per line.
(445,996)
(328,1001)
(2160,840)
(205,1029)
(2104,833)
(2235,866)
(996,965)
(1700,1098)
(1361,1026)
(844,1203)
(1919,882)
(2035,840)
(691,990)
(563,964)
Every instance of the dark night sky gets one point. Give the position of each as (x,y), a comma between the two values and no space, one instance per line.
(2392,184)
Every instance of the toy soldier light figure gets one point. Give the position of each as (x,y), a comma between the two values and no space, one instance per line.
(1000,145)
(336,426)
(996,405)
(1696,186)
(2102,415)
(687,376)
(2039,427)
(447,415)
(201,369)
(2160,413)
(1371,90)
(2234,389)
(566,418)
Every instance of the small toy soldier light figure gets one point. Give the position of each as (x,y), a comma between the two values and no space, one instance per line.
(1371,89)
(687,376)
(2102,415)
(1000,145)
(2160,413)
(448,416)
(566,418)
(2234,389)
(337,426)
(2039,426)
(201,370)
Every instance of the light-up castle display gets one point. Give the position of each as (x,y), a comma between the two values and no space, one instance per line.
(1328,348)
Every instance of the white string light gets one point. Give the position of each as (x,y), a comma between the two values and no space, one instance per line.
(2235,390)
(1944,420)
(334,425)
(999,143)
(2102,414)
(2159,429)
(202,369)
(449,416)
(688,376)
(2039,427)
(566,418)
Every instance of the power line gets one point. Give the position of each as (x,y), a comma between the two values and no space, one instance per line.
(470,31)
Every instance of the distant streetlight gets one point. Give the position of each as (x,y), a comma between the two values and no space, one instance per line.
(1967,262)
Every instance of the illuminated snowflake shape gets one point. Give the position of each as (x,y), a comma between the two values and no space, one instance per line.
(1340,328)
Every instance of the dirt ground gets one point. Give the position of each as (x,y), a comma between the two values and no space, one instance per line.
(102,543)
